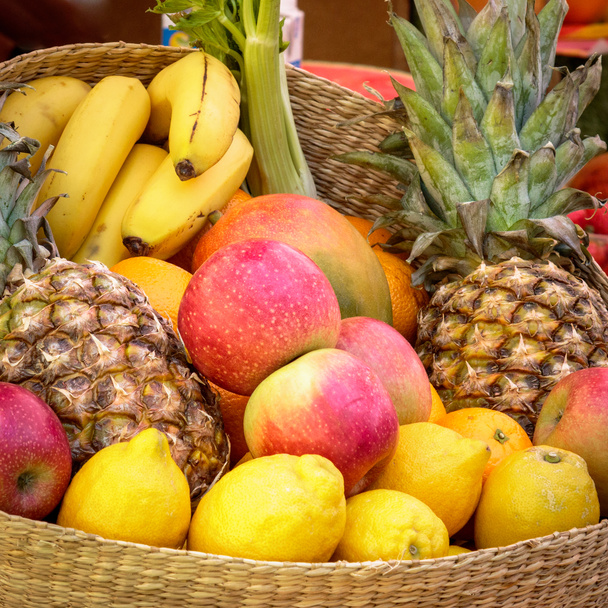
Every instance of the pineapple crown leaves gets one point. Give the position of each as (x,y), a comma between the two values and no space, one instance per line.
(493,146)
(20,224)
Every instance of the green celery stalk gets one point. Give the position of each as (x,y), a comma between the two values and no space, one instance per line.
(247,36)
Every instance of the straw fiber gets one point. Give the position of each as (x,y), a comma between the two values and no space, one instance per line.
(42,564)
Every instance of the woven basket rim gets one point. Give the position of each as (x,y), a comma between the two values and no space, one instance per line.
(528,545)
(83,46)
(478,578)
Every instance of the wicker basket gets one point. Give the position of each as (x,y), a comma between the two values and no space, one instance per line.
(43,564)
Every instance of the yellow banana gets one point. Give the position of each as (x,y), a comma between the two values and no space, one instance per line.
(168,212)
(104,241)
(43,111)
(196,105)
(90,153)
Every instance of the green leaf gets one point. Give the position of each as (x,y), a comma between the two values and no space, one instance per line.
(473,156)
(396,144)
(440,177)
(517,17)
(550,18)
(425,121)
(424,68)
(401,169)
(555,116)
(568,157)
(439,21)
(480,28)
(473,217)
(497,56)
(174,6)
(593,146)
(422,243)
(499,124)
(563,202)
(509,199)
(591,82)
(456,76)
(530,67)
(543,175)
(560,228)
(466,14)
(414,200)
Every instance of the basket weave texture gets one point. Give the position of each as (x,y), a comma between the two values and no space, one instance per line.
(42,564)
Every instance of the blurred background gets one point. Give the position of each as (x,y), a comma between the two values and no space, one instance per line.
(353,31)
(349,41)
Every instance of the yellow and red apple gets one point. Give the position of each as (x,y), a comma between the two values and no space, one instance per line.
(35,457)
(574,417)
(395,361)
(326,402)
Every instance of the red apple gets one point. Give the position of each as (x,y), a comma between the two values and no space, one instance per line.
(397,364)
(252,307)
(326,402)
(35,457)
(574,417)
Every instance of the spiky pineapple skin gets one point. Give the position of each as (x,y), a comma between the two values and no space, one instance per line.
(87,341)
(505,334)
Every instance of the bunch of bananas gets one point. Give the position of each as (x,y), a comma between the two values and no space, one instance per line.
(137,169)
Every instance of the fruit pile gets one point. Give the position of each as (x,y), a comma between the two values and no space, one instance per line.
(186,365)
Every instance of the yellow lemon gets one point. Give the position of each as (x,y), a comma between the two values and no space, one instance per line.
(441,468)
(132,491)
(535,492)
(437,408)
(387,524)
(274,508)
(457,550)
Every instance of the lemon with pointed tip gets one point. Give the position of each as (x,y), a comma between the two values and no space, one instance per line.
(132,491)
(274,508)
(441,468)
(390,525)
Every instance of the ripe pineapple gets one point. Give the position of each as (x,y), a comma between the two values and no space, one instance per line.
(88,343)
(483,214)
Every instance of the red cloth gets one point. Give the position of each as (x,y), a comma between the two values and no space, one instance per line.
(583,40)
(353,77)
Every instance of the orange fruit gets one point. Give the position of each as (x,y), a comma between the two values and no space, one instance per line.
(406,299)
(162,282)
(503,434)
(363,225)
(438,410)
(232,407)
(183,258)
